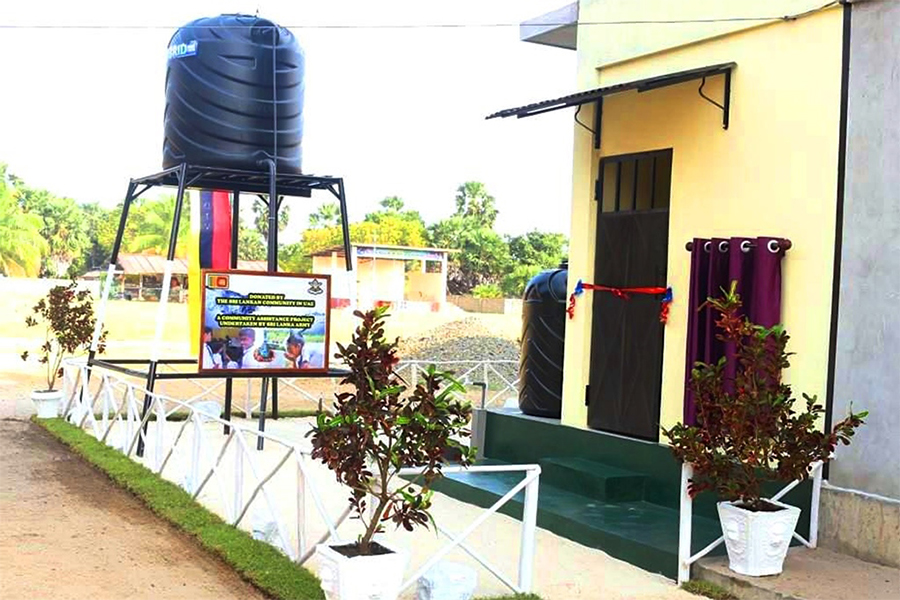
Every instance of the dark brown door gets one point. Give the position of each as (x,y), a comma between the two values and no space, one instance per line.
(627,335)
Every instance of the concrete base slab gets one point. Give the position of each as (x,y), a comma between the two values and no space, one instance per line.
(818,574)
(862,525)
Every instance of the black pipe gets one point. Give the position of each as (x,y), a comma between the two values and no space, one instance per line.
(273,218)
(235,226)
(235,235)
(228,390)
(838,225)
(275,398)
(262,412)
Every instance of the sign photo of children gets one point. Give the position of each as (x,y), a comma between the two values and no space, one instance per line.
(254,321)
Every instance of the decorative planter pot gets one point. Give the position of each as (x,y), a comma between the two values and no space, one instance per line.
(47,403)
(757,542)
(360,577)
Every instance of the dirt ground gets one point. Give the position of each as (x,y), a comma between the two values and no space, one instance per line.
(68,532)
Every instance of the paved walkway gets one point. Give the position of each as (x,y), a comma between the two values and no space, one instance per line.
(67,532)
(819,574)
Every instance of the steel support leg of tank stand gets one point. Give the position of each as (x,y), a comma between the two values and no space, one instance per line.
(272,263)
(345,226)
(235,229)
(130,196)
(227,411)
(275,398)
(262,412)
(163,301)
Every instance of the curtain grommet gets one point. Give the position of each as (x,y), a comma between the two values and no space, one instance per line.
(745,246)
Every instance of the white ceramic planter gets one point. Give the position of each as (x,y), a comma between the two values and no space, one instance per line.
(361,577)
(47,403)
(757,542)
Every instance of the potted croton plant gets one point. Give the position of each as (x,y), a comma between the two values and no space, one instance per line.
(378,427)
(67,317)
(750,430)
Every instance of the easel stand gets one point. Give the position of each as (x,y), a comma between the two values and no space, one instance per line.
(271,187)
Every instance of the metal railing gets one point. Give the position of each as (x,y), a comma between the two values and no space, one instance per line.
(499,377)
(685,559)
(109,407)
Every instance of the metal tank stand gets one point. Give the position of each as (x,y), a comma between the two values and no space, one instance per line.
(277,187)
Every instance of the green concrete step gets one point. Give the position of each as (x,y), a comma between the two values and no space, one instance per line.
(593,479)
(635,531)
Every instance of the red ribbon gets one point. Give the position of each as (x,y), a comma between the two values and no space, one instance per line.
(624,294)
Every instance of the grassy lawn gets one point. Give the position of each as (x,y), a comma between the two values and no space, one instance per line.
(257,562)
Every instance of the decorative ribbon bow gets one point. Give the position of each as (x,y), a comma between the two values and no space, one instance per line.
(624,294)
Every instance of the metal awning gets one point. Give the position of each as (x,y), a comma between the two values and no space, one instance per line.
(641,85)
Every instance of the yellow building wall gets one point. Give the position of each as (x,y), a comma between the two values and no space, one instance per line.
(773,172)
(322,264)
(380,280)
(424,287)
(601,44)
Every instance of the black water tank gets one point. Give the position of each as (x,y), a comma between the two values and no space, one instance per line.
(543,344)
(219,95)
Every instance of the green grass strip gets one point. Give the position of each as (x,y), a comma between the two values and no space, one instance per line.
(708,589)
(259,563)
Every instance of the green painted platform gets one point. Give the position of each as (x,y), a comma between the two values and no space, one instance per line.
(604,491)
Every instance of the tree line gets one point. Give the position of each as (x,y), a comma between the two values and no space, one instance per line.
(49,236)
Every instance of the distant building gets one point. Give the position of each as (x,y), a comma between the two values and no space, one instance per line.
(399,275)
(139,276)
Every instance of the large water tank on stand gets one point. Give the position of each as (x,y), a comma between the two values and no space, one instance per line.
(232,82)
(543,344)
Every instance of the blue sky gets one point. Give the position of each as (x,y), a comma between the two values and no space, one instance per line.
(393,111)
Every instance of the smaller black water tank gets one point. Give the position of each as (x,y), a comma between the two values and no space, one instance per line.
(543,344)
(232,83)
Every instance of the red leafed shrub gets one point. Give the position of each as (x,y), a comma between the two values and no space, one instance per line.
(748,429)
(378,429)
(67,315)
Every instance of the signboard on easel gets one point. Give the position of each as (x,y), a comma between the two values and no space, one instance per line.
(255,321)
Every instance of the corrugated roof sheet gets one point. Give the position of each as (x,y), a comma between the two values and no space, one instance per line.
(152,264)
(641,85)
(340,249)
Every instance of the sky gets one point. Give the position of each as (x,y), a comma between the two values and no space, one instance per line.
(394,111)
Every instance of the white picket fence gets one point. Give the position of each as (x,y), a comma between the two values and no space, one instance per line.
(499,378)
(224,473)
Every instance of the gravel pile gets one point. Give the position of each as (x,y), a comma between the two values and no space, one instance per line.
(465,339)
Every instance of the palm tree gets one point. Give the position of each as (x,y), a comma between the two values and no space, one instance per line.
(472,200)
(156,227)
(21,244)
(328,215)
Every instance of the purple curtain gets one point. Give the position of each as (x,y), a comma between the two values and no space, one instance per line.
(756,266)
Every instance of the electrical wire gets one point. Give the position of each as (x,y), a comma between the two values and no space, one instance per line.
(791,17)
(707,98)
(578,110)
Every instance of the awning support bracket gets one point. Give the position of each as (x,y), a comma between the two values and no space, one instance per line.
(598,122)
(726,106)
